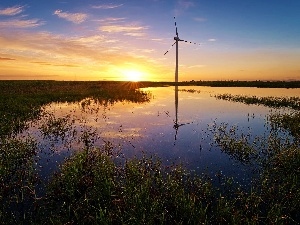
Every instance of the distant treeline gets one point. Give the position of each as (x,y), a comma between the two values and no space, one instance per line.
(259,84)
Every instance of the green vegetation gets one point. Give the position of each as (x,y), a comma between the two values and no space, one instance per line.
(289,122)
(275,102)
(238,147)
(18,179)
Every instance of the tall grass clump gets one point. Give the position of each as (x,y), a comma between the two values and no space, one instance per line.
(18,180)
(92,188)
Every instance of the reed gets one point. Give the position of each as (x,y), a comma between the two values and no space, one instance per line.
(275,102)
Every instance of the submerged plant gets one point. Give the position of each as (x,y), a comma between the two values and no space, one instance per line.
(236,146)
(289,122)
(56,127)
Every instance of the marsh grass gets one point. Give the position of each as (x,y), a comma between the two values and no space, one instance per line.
(275,102)
(91,188)
(275,197)
(289,122)
(234,143)
(18,178)
(23,101)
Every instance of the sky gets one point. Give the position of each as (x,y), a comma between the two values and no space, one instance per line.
(126,40)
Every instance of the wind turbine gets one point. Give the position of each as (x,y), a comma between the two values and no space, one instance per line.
(177,39)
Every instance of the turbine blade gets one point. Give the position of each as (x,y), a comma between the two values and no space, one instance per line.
(191,42)
(170,48)
(176,26)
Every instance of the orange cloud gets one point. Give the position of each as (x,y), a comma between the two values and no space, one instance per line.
(131,30)
(16,23)
(11,11)
(88,57)
(5,59)
(120,28)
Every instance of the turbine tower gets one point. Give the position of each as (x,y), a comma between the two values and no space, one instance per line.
(177,39)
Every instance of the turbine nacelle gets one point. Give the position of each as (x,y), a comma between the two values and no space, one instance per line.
(177,39)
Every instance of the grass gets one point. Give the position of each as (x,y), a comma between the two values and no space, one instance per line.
(275,102)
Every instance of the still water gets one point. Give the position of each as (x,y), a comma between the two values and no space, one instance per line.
(175,125)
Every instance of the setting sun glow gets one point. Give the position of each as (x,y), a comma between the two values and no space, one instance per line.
(132,75)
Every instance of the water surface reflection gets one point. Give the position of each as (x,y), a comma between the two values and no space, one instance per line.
(175,125)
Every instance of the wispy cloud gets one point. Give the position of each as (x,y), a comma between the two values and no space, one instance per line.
(157,39)
(131,30)
(12,11)
(51,64)
(17,23)
(132,34)
(212,40)
(146,50)
(107,6)
(72,17)
(5,59)
(53,48)
(111,20)
(196,66)
(89,40)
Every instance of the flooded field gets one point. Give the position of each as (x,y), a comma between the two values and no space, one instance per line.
(93,152)
(178,124)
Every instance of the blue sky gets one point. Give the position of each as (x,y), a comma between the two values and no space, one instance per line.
(116,40)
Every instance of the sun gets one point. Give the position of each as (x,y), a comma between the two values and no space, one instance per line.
(132,75)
